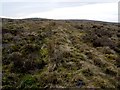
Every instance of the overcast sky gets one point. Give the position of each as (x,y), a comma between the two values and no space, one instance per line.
(106,10)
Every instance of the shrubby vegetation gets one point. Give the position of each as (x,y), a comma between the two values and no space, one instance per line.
(40,53)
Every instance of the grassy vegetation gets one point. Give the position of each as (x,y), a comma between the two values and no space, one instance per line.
(41,53)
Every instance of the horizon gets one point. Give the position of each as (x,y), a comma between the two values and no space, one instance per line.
(60,10)
(57,19)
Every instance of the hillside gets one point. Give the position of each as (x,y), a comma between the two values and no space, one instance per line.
(41,53)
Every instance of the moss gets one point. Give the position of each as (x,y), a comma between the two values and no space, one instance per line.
(111,56)
(98,62)
(109,71)
(9,80)
(102,83)
(87,72)
(52,53)
(28,82)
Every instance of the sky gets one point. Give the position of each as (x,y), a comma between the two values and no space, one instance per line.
(105,10)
